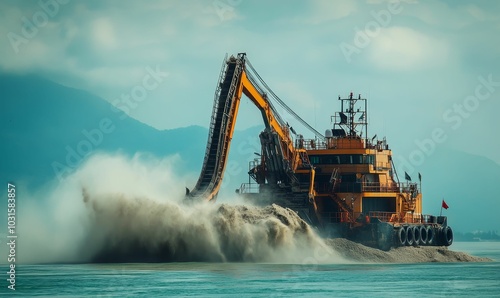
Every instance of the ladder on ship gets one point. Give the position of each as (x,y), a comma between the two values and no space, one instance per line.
(344,206)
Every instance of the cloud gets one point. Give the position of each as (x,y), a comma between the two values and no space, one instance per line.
(404,49)
(86,35)
(458,16)
(293,93)
(481,14)
(103,33)
(326,10)
(391,1)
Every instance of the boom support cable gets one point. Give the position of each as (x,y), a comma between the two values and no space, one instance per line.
(280,102)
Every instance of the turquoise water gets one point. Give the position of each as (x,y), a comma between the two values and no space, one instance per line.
(265,280)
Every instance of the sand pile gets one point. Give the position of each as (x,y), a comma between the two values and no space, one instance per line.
(406,254)
(125,228)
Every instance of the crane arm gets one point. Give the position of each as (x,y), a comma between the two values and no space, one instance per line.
(282,157)
(270,121)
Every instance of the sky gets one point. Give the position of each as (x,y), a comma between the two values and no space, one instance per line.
(429,69)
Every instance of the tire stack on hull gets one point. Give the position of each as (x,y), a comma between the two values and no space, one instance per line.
(425,235)
(446,236)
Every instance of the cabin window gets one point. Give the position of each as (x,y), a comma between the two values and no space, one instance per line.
(379,205)
(336,159)
(369,159)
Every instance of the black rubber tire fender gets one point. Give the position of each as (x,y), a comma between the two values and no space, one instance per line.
(410,236)
(430,235)
(447,236)
(416,236)
(423,235)
(401,236)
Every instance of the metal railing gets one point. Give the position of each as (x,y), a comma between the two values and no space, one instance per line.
(407,217)
(227,118)
(310,144)
(389,187)
(379,187)
(402,187)
(340,217)
(249,188)
(390,217)
(385,216)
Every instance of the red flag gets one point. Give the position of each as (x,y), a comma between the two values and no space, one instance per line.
(444,205)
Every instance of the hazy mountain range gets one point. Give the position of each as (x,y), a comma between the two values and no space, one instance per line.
(48,129)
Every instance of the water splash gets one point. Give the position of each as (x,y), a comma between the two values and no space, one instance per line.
(119,209)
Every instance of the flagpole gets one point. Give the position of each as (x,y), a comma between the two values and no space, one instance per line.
(420,180)
(441,212)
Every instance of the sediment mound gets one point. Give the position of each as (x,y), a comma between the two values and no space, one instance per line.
(131,229)
(406,254)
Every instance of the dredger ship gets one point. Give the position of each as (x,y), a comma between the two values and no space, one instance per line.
(343,182)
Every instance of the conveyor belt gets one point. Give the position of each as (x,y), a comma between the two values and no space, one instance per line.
(219,137)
